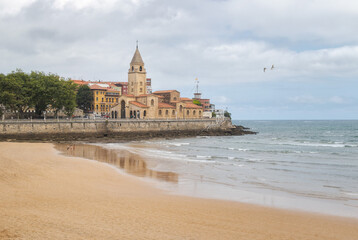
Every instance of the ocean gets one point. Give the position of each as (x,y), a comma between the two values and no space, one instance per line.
(300,165)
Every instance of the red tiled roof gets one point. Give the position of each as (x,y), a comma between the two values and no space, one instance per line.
(186,99)
(128,95)
(138,104)
(164,91)
(96,87)
(159,96)
(192,105)
(112,90)
(80,82)
(165,105)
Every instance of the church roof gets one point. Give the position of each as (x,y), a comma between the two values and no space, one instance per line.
(186,99)
(164,91)
(192,105)
(165,105)
(137,58)
(138,104)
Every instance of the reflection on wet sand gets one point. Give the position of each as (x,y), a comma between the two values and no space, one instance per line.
(123,159)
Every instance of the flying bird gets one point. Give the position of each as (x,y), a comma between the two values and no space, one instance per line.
(264,69)
(272,67)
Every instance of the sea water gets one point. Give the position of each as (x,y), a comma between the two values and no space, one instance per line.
(302,165)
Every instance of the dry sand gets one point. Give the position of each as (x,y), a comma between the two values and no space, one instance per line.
(44,195)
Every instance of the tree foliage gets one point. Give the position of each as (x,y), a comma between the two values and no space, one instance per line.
(84,98)
(197,102)
(227,114)
(21,91)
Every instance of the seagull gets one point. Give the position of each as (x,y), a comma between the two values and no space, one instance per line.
(264,69)
(272,67)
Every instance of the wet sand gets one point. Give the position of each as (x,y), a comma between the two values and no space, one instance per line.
(45,195)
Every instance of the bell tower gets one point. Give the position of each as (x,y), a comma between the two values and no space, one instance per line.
(137,75)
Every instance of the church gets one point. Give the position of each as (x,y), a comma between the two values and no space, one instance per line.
(137,104)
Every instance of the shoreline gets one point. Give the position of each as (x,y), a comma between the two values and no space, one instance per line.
(46,195)
(138,164)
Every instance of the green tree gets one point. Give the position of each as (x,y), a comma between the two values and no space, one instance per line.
(16,92)
(84,98)
(65,97)
(44,88)
(197,102)
(227,114)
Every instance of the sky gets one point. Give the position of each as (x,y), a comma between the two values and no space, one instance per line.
(226,44)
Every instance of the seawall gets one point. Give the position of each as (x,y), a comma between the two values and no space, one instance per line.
(120,129)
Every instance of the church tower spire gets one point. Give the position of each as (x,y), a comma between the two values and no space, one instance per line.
(137,75)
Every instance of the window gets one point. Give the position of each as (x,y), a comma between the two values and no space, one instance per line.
(102,99)
(141,89)
(116,99)
(173,112)
(175,98)
(97,92)
(187,112)
(199,113)
(132,90)
(152,102)
(131,83)
(181,108)
(144,113)
(97,98)
(141,83)
(140,68)
(132,69)
(160,112)
(194,112)
(106,99)
(97,107)
(166,112)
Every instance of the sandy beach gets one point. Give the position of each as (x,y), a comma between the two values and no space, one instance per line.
(45,195)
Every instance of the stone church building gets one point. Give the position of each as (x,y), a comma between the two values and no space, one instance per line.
(137,104)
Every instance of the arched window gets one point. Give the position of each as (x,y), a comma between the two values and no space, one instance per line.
(132,69)
(166,112)
(173,112)
(141,89)
(144,113)
(194,112)
(140,68)
(181,108)
(199,113)
(160,112)
(187,112)
(152,102)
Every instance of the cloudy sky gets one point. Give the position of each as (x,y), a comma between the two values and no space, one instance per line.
(224,43)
